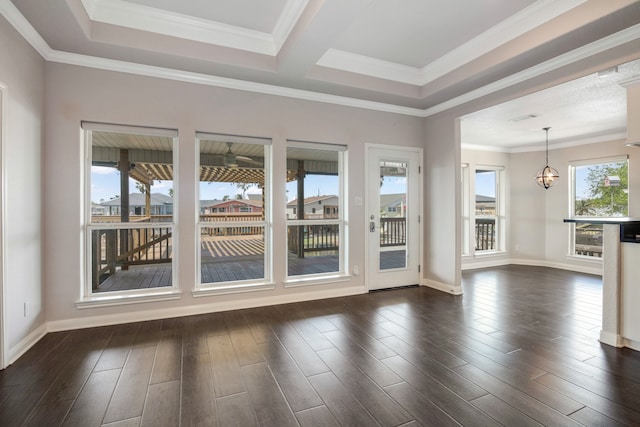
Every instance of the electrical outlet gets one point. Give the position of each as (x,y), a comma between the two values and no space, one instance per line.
(26,309)
(356,270)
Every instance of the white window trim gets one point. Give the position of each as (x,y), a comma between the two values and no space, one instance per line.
(571,173)
(343,228)
(500,216)
(89,299)
(237,286)
(466,219)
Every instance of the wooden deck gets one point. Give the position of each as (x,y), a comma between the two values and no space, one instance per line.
(233,259)
(518,349)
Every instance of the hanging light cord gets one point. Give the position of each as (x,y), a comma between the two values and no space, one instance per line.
(547,146)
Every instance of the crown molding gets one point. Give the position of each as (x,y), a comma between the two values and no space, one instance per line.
(632,82)
(372,67)
(541,147)
(288,19)
(145,18)
(527,19)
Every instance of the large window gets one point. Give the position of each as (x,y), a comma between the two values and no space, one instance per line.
(599,188)
(315,210)
(234,225)
(489,210)
(130,210)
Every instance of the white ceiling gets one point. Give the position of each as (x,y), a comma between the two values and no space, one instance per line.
(415,57)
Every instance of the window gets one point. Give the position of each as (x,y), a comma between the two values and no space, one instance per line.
(465,208)
(234,182)
(598,188)
(129,222)
(315,239)
(489,210)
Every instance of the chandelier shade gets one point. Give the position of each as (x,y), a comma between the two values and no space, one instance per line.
(547,176)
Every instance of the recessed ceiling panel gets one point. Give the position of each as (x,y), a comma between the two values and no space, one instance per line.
(258,15)
(426,32)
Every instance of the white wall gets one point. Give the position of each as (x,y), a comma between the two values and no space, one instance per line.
(22,73)
(76,93)
(441,180)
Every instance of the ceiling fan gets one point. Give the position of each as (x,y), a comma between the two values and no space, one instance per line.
(231,159)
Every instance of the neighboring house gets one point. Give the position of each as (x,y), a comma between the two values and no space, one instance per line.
(233,206)
(485,205)
(97,209)
(393,205)
(161,204)
(204,205)
(317,207)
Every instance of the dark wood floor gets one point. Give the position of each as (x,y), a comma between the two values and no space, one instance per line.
(518,349)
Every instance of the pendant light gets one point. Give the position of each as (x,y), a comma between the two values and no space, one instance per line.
(548,175)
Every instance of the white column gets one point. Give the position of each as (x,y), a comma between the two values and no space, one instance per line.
(611,287)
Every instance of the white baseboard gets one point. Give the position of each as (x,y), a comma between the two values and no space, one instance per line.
(440,286)
(486,264)
(612,339)
(633,345)
(587,269)
(26,343)
(145,315)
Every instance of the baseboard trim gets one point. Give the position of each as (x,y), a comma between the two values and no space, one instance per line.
(596,270)
(612,339)
(141,316)
(26,343)
(633,345)
(440,286)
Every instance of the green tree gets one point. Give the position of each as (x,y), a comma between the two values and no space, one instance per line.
(142,187)
(607,198)
(243,187)
(585,207)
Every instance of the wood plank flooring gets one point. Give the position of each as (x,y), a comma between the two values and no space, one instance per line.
(519,348)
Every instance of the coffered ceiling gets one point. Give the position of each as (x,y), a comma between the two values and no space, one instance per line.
(413,57)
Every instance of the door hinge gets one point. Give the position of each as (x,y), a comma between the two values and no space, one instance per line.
(418,268)
(419,169)
(418,219)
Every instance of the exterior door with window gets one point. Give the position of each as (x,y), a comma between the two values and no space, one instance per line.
(393,210)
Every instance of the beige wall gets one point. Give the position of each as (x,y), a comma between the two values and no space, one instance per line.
(22,73)
(536,233)
(74,94)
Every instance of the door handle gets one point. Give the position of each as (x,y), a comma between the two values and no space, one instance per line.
(372,226)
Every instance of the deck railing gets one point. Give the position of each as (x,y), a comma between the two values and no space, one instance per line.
(485,234)
(588,240)
(317,237)
(124,247)
(392,232)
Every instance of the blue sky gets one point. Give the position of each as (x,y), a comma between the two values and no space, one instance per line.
(105,184)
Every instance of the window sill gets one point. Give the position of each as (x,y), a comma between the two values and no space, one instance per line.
(213,290)
(317,280)
(123,299)
(585,258)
